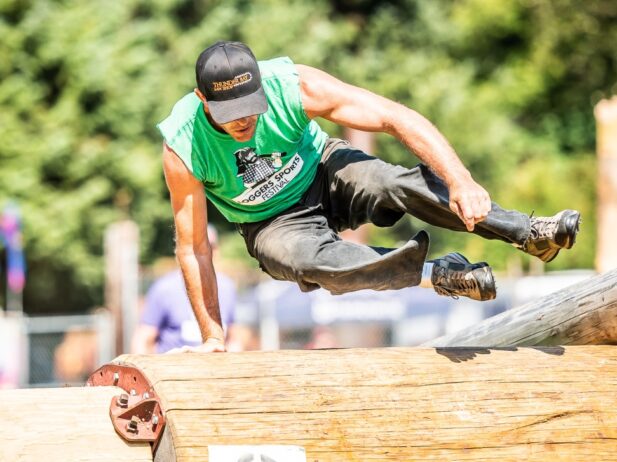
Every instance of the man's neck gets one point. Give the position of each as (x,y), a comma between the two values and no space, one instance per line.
(216,126)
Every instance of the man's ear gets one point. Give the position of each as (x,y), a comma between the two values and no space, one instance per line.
(201,96)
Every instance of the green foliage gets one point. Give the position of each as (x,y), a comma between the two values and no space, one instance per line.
(511,83)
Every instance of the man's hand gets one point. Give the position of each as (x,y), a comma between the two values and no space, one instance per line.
(211,345)
(470,202)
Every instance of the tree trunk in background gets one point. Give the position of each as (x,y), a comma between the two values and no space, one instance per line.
(361,140)
(366,142)
(606,120)
(121,280)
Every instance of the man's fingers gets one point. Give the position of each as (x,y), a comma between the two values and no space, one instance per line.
(209,347)
(183,349)
(481,210)
(488,204)
(468,221)
(472,204)
(468,215)
(205,348)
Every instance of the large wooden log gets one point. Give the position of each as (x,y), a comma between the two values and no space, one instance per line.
(583,314)
(397,404)
(61,425)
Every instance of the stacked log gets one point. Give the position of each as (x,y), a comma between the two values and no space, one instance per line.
(63,424)
(393,403)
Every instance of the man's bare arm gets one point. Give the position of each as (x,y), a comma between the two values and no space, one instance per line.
(193,250)
(325,96)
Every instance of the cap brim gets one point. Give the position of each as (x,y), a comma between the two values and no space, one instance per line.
(245,106)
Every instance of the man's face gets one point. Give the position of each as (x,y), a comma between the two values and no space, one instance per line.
(241,129)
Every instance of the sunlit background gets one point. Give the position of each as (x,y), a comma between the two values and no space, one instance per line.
(86,222)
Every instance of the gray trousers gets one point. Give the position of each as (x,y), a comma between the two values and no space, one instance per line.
(351,188)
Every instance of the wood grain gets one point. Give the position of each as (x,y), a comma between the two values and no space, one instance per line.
(62,425)
(403,404)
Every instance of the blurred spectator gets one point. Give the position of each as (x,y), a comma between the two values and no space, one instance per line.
(75,358)
(322,337)
(168,321)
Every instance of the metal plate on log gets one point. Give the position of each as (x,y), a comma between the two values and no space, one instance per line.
(136,415)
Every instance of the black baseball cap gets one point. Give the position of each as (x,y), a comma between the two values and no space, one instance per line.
(228,76)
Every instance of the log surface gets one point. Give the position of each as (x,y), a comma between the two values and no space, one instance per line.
(583,314)
(394,404)
(61,425)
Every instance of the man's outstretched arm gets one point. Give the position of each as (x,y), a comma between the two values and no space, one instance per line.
(325,96)
(193,250)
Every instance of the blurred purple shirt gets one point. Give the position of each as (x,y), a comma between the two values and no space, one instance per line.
(167,308)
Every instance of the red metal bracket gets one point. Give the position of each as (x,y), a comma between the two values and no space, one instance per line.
(136,415)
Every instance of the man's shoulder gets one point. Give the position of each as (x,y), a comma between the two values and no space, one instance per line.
(276,67)
(178,129)
(182,115)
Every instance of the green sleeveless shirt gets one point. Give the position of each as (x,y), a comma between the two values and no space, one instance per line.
(254,180)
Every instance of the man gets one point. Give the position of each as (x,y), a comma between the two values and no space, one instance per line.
(246,140)
(167,321)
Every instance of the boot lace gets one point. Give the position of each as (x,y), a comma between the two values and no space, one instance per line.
(452,283)
(543,227)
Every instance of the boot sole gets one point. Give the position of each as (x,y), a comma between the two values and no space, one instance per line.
(486,282)
(568,229)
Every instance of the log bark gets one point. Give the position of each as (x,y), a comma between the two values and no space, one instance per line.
(63,424)
(583,314)
(393,404)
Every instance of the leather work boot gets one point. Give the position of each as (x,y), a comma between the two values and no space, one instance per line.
(453,275)
(551,234)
